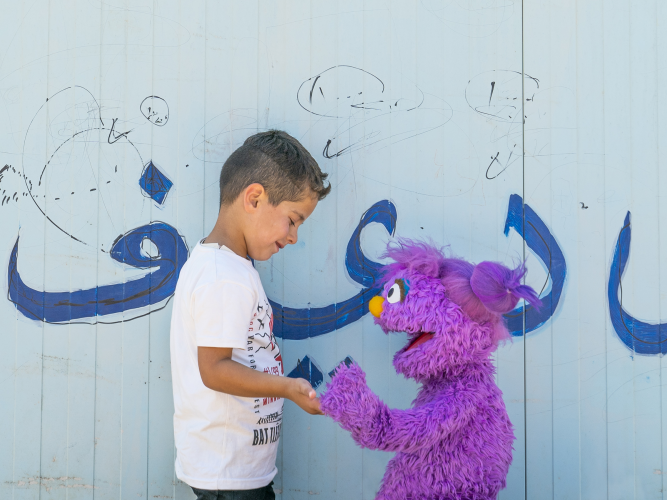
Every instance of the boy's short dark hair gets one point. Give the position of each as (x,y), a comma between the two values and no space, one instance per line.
(277,161)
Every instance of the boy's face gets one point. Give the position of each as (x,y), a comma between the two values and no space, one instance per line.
(274,227)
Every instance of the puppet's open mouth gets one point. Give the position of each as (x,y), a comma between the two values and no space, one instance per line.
(419,340)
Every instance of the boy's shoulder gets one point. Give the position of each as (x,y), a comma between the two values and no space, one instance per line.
(210,265)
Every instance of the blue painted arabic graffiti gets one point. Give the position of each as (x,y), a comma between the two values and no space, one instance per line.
(152,288)
(297,324)
(306,368)
(348,362)
(539,239)
(641,337)
(154,183)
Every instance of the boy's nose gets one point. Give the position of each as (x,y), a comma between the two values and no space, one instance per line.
(293,235)
(376,306)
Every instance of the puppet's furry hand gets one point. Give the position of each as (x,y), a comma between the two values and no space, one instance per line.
(348,400)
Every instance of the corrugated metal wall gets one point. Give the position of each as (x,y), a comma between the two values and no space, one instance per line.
(116,116)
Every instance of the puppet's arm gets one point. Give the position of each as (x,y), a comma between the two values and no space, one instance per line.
(351,403)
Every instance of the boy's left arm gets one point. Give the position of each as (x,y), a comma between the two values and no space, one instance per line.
(351,403)
(220,373)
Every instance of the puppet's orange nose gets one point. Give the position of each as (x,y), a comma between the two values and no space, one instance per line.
(375,306)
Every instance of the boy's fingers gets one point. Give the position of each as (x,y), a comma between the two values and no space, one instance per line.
(310,392)
(312,404)
(306,388)
(316,407)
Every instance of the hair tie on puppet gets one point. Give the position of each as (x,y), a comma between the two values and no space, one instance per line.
(499,288)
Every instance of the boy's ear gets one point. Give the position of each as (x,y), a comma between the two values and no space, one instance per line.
(252,196)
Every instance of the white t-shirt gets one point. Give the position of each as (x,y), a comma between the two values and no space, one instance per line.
(223,442)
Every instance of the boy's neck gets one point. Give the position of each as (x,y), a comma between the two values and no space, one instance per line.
(228,232)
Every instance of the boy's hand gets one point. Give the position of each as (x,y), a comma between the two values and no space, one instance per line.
(220,373)
(303,394)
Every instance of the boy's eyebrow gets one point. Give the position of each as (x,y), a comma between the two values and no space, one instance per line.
(300,215)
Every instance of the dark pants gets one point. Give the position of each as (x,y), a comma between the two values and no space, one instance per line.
(265,493)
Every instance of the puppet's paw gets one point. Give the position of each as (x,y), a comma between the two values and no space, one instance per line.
(344,392)
(347,377)
(346,370)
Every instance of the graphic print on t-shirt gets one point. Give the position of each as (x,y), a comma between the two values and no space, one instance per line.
(263,353)
(265,434)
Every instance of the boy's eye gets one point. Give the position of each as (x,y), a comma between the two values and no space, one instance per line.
(397,292)
(291,222)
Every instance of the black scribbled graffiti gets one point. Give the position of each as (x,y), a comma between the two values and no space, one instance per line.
(224,133)
(155,110)
(114,135)
(360,112)
(71,119)
(69,162)
(503,104)
(9,175)
(524,117)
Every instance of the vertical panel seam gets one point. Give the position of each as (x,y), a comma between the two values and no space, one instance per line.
(604,235)
(523,222)
(41,389)
(148,365)
(97,327)
(657,127)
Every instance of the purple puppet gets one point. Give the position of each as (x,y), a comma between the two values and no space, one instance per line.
(455,442)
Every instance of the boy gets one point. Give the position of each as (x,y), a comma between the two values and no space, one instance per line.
(226,365)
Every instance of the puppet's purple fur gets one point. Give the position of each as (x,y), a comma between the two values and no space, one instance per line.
(455,442)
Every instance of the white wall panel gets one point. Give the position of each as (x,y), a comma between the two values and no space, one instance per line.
(594,391)
(449,113)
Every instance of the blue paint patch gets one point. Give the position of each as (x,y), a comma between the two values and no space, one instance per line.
(152,288)
(154,183)
(539,239)
(298,324)
(640,337)
(307,369)
(348,361)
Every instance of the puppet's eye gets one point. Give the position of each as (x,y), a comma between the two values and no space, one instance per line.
(394,294)
(397,292)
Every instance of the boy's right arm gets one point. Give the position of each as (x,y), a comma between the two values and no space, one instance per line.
(220,373)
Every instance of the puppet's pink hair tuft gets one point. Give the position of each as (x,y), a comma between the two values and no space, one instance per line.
(484,291)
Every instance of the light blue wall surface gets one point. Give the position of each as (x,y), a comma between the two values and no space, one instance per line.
(428,104)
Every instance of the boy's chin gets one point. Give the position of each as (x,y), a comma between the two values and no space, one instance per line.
(261,255)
